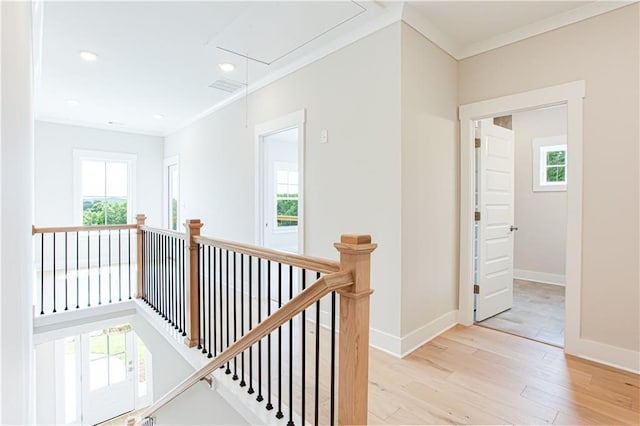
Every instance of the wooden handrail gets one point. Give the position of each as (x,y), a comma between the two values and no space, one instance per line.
(52,229)
(302,301)
(165,232)
(306,262)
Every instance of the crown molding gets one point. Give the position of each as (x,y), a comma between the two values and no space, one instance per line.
(458,51)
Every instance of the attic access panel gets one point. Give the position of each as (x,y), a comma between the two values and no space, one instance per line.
(271,30)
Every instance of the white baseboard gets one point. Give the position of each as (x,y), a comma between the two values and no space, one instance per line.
(402,346)
(613,356)
(427,332)
(385,342)
(541,277)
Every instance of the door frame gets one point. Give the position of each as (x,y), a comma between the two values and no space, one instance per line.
(571,94)
(166,164)
(289,121)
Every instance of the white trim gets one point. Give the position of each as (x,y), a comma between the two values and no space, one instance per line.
(400,347)
(294,119)
(99,126)
(460,51)
(385,342)
(130,159)
(613,356)
(572,94)
(540,277)
(421,335)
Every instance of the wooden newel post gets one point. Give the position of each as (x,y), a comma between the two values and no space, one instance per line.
(353,382)
(140,218)
(193,324)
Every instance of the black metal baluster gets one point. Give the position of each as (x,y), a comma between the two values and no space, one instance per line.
(201,283)
(317,366)
(213,316)
(175,287)
(109,263)
(88,268)
(209,256)
(269,404)
(304,352)
(290,422)
(250,390)
(235,322)
(77,270)
(54,272)
(165,279)
(279,414)
(42,274)
(220,305)
(99,267)
(141,261)
(199,299)
(66,278)
(242,382)
(154,278)
(333,357)
(183,279)
(172,294)
(228,370)
(119,265)
(259,398)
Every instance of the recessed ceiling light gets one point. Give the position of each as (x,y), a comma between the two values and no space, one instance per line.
(88,56)
(115,123)
(227,67)
(158,116)
(72,102)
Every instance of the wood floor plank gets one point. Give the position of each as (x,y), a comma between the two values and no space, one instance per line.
(475,375)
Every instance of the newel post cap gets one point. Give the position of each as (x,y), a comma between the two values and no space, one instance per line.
(355,243)
(140,218)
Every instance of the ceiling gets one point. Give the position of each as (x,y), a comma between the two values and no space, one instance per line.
(159,58)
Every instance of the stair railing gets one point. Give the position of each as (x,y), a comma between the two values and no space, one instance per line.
(238,299)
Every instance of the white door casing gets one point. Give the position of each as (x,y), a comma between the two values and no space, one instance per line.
(495,228)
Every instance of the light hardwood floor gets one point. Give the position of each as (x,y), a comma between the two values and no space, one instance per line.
(537,313)
(475,375)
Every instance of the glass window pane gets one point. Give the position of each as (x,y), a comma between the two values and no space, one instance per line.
(93,184)
(70,376)
(98,372)
(93,211)
(97,345)
(554,174)
(555,158)
(281,176)
(287,212)
(117,358)
(116,211)
(116,179)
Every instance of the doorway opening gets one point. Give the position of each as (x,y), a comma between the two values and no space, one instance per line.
(280,183)
(569,94)
(520,232)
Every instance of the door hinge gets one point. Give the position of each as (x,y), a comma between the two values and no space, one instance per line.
(476,216)
(476,289)
(477,144)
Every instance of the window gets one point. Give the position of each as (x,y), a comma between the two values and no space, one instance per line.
(286,197)
(550,164)
(171,193)
(104,187)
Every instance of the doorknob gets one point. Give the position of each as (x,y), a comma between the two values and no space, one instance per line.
(513,228)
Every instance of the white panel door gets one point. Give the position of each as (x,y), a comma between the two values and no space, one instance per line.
(495,229)
(107,375)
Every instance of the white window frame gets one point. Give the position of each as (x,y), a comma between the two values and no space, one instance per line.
(168,162)
(540,147)
(81,155)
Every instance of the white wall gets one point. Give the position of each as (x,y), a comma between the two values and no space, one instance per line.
(541,217)
(54,181)
(605,52)
(16,199)
(350,182)
(429,190)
